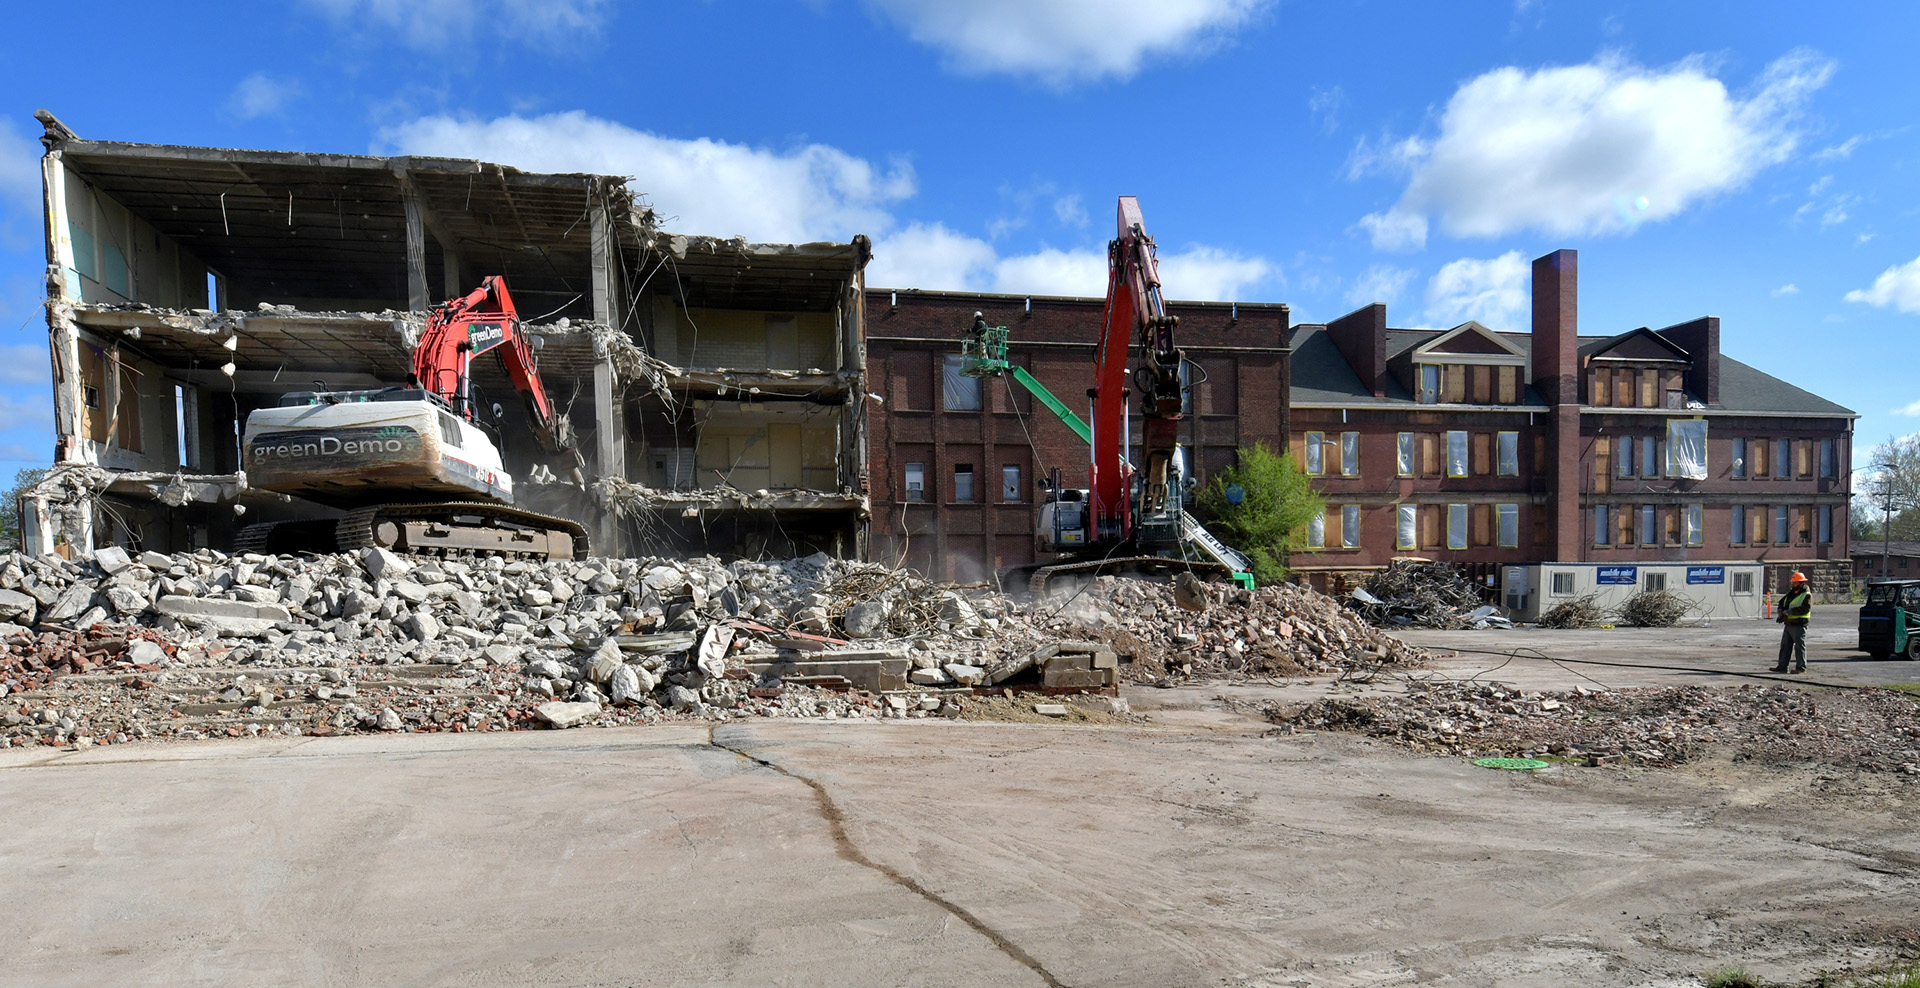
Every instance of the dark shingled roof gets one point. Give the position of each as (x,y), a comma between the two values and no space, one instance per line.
(1870,548)
(1321,375)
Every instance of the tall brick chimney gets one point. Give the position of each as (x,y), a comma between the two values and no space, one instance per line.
(1361,337)
(1556,327)
(1556,376)
(1701,339)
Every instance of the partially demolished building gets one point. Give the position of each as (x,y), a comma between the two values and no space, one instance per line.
(718,386)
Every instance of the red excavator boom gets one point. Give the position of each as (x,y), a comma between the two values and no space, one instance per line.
(1135,313)
(483,321)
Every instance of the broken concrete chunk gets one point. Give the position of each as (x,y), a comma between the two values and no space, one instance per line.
(156,562)
(112,560)
(867,619)
(70,605)
(606,661)
(383,564)
(503,655)
(145,653)
(389,720)
(17,607)
(964,674)
(561,714)
(681,698)
(1050,709)
(409,591)
(421,626)
(929,677)
(630,684)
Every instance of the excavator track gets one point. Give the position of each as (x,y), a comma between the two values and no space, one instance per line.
(461,528)
(1145,567)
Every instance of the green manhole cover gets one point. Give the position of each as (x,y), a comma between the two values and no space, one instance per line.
(1514,764)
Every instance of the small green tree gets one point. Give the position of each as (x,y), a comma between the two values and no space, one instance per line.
(23,481)
(1276,500)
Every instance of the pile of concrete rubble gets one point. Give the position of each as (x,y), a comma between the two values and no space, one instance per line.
(125,646)
(1875,730)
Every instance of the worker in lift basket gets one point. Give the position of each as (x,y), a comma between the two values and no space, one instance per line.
(1796,606)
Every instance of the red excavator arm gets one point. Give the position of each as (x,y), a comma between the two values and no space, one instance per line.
(486,320)
(1136,312)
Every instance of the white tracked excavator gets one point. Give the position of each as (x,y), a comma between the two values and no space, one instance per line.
(414,467)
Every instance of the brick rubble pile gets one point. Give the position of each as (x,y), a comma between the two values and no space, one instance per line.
(1877,730)
(129,646)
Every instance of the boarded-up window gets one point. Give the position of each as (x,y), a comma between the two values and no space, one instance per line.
(912,387)
(1482,454)
(1650,388)
(1430,530)
(1454,383)
(1623,525)
(1429,455)
(1623,388)
(1482,384)
(1757,525)
(1507,390)
(1758,452)
(1602,460)
(1220,394)
(1600,388)
(1803,525)
(1482,524)
(1671,518)
(1803,457)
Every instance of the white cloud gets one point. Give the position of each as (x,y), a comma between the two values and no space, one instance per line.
(1897,286)
(1069,211)
(1587,149)
(1380,283)
(1787,289)
(1493,291)
(1395,230)
(1061,42)
(1842,150)
(261,95)
(931,257)
(935,258)
(1325,105)
(813,192)
(1912,408)
(438,23)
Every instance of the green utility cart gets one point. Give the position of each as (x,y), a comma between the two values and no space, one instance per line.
(1890,619)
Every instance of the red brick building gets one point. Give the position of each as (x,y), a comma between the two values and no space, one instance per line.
(954,460)
(1506,449)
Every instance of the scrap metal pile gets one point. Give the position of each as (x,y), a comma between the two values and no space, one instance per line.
(1413,592)
(1876,730)
(128,646)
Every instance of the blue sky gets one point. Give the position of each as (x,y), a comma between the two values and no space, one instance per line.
(1755,162)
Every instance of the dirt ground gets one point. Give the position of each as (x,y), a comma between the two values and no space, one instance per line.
(1191,847)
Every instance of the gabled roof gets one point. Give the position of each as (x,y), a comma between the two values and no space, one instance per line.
(1635,344)
(1468,338)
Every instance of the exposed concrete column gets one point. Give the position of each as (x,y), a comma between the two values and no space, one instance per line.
(606,268)
(417,298)
(610,448)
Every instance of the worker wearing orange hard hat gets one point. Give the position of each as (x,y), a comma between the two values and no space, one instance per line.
(1796,607)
